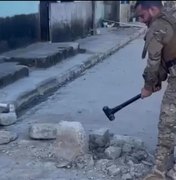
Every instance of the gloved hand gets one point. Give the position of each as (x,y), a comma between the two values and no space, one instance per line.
(157,87)
(162,76)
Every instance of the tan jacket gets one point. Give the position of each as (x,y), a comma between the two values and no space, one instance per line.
(160,43)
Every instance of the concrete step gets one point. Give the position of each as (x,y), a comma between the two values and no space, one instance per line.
(42,54)
(41,83)
(11,72)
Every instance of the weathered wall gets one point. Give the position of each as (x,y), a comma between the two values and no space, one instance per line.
(70,20)
(125,12)
(19,24)
(112,10)
(18,31)
(99,12)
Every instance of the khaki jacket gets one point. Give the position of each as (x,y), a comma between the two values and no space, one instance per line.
(160,44)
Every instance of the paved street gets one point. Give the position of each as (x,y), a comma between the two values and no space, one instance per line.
(111,82)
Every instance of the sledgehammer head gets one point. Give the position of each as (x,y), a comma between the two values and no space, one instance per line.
(109,113)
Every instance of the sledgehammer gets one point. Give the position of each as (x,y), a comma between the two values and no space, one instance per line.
(111,111)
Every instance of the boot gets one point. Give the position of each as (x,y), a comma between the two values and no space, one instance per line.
(155,175)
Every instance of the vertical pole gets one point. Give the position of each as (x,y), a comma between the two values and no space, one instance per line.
(93,18)
(118,11)
(44,20)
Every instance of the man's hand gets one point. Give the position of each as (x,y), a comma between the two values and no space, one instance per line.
(158,88)
(145,93)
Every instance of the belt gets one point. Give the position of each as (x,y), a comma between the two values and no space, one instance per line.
(171,63)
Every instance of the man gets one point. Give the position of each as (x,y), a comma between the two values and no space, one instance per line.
(160,43)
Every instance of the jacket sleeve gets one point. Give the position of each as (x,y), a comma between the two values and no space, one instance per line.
(159,34)
(151,71)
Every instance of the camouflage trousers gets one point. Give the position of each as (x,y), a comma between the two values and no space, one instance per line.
(167,128)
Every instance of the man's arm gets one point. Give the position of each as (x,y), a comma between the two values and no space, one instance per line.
(160,34)
(151,71)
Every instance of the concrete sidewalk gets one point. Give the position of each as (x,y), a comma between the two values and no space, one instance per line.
(41,83)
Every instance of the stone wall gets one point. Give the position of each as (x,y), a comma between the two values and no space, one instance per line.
(70,20)
(18,31)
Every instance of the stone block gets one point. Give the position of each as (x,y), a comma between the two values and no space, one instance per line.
(7,119)
(43,131)
(99,138)
(6,137)
(71,141)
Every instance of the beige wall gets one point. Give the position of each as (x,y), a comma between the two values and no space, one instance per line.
(70,20)
(125,12)
(99,12)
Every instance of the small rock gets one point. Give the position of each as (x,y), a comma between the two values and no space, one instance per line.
(43,131)
(90,163)
(127,148)
(124,169)
(6,137)
(102,164)
(84,161)
(113,170)
(140,155)
(99,138)
(113,152)
(120,140)
(127,177)
(128,158)
(7,119)
(171,174)
(62,163)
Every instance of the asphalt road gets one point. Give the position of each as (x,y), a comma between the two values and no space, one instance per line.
(111,82)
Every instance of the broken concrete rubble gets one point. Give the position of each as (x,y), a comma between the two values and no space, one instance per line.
(113,170)
(7,136)
(113,152)
(70,140)
(70,150)
(122,157)
(119,140)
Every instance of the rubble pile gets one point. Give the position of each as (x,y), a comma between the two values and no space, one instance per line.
(123,157)
(67,145)
(116,156)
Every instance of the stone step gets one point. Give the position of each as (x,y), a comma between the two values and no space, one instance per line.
(11,72)
(42,54)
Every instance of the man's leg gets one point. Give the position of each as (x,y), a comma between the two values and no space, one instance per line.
(166,128)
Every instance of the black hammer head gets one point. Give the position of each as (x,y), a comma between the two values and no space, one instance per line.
(109,113)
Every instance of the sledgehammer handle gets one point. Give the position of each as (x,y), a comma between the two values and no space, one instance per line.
(119,107)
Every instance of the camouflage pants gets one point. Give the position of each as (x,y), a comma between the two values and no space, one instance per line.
(167,127)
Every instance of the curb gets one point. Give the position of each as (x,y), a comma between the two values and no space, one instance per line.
(49,86)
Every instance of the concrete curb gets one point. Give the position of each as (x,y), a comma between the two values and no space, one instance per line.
(46,88)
